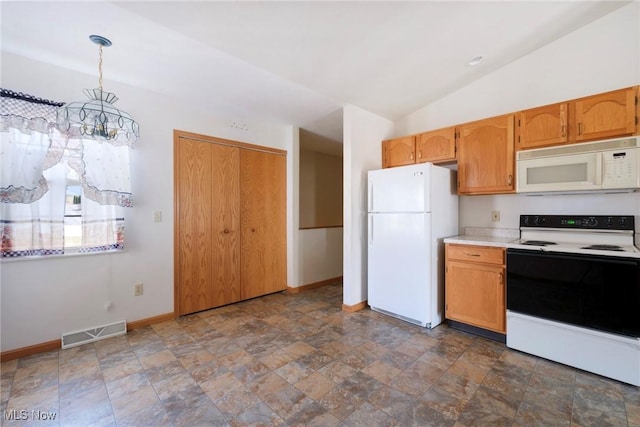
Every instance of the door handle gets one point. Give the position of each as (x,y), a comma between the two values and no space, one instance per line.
(510,181)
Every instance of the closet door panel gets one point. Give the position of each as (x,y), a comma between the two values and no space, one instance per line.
(225,223)
(263,222)
(194,203)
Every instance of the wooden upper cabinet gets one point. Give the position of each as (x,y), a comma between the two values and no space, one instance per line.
(543,126)
(605,115)
(399,152)
(486,156)
(436,146)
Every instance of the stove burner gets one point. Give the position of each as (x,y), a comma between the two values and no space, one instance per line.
(538,243)
(605,248)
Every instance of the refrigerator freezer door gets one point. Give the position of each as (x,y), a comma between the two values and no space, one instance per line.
(399,265)
(401,189)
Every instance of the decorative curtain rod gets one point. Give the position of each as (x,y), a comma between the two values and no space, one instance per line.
(6,93)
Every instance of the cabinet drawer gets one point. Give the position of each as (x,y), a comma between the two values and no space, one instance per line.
(485,254)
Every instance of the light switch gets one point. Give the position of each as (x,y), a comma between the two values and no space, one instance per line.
(157,216)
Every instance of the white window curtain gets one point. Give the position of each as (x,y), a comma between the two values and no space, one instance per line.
(35,160)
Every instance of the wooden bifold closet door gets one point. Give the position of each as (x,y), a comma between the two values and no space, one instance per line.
(230,222)
(263,194)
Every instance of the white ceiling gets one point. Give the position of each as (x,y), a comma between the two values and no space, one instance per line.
(293,62)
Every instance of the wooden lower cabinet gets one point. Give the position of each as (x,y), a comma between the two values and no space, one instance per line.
(475,286)
(230,222)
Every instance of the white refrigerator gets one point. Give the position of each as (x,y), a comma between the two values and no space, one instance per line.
(411,209)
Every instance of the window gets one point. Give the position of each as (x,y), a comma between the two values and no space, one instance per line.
(58,194)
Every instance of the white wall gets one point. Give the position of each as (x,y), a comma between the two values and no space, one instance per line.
(602,56)
(320,255)
(363,132)
(315,254)
(40,299)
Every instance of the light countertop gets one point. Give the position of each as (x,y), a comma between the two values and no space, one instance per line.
(485,237)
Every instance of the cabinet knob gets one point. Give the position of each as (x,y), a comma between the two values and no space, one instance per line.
(510,180)
(579,128)
(253,230)
(564,130)
(226,231)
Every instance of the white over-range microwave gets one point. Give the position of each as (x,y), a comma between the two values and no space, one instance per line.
(609,166)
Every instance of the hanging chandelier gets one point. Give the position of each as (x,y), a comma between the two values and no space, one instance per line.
(97,117)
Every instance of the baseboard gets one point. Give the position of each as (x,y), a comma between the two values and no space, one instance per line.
(356,307)
(30,350)
(495,336)
(18,353)
(137,324)
(297,289)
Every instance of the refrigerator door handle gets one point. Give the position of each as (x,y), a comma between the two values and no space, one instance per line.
(370,196)
(370,229)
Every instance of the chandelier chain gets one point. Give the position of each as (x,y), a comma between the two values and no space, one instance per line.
(100,69)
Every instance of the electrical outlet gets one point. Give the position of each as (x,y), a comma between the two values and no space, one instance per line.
(138,289)
(157,216)
(495,216)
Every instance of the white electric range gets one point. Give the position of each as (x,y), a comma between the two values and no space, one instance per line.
(573,292)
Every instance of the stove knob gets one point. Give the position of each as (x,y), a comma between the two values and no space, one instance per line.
(592,222)
(525,220)
(609,221)
(536,220)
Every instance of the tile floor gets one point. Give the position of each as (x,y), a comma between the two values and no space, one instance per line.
(299,360)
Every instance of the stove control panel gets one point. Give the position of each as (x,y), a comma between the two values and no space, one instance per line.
(590,222)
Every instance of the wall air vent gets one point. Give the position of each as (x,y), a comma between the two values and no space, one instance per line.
(73,339)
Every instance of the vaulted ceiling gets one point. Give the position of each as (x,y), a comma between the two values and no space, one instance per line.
(294,62)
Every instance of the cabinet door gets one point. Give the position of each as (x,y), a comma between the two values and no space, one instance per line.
(475,294)
(398,152)
(486,156)
(543,126)
(263,223)
(605,115)
(194,204)
(436,146)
